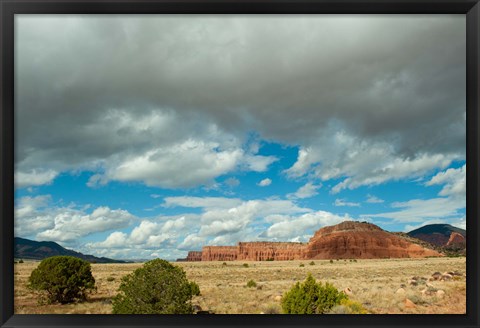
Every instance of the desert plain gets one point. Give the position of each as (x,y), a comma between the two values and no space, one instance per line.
(382,286)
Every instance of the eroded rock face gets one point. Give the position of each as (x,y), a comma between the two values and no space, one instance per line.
(194,256)
(270,251)
(346,240)
(456,239)
(361,240)
(219,253)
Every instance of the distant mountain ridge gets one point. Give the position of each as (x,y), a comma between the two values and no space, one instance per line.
(38,250)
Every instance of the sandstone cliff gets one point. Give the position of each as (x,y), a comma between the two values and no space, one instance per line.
(194,256)
(219,253)
(270,251)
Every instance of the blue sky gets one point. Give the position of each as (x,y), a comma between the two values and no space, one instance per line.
(142,137)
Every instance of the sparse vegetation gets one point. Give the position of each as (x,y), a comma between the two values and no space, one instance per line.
(62,279)
(311,297)
(312,263)
(251,283)
(223,289)
(156,288)
(301,265)
(348,306)
(110,279)
(245,265)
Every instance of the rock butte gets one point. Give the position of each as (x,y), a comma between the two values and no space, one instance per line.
(347,240)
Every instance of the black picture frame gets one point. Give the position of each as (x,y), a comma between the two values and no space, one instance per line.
(8,8)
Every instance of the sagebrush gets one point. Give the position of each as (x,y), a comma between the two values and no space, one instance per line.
(156,288)
(311,297)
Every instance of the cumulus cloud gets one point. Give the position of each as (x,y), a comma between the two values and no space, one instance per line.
(343,202)
(338,154)
(34,178)
(454,181)
(37,217)
(70,224)
(306,191)
(265,182)
(288,227)
(135,93)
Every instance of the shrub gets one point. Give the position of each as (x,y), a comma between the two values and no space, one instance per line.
(224,263)
(301,265)
(311,297)
(245,265)
(110,279)
(251,283)
(312,263)
(194,288)
(21,261)
(158,287)
(272,308)
(64,279)
(331,261)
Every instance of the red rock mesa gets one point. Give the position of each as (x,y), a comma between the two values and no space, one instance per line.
(361,240)
(347,240)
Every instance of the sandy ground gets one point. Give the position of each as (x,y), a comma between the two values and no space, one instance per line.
(374,283)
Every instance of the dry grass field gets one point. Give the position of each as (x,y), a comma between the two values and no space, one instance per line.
(374,283)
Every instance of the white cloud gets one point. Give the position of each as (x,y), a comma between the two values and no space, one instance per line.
(374,199)
(306,191)
(265,182)
(454,181)
(34,178)
(338,153)
(420,210)
(343,202)
(258,163)
(187,164)
(291,227)
(205,202)
(97,180)
(71,224)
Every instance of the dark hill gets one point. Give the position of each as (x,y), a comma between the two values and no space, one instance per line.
(437,234)
(38,250)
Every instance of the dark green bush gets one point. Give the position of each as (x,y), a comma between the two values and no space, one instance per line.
(62,279)
(301,265)
(311,297)
(194,288)
(251,283)
(331,261)
(312,263)
(245,265)
(110,279)
(156,288)
(21,261)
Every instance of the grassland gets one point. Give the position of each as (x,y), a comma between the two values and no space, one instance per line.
(374,283)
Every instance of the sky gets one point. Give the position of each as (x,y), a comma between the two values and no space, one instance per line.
(139,137)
